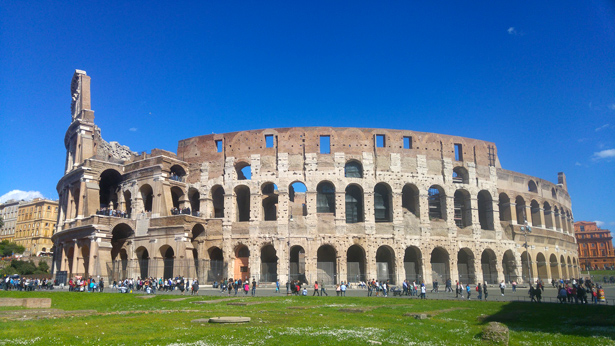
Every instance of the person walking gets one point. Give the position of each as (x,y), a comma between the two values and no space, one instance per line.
(343,288)
(277,286)
(253,287)
(485,290)
(468,291)
(479,289)
(502,287)
(423,290)
(322,289)
(316,293)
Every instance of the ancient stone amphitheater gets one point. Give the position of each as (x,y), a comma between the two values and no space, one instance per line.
(318,203)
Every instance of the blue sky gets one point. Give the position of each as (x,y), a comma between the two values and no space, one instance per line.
(538,79)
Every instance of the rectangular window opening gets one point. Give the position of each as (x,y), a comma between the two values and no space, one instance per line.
(268,141)
(380,141)
(407,142)
(458,152)
(219,145)
(325,144)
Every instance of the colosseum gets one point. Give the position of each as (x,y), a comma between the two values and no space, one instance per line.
(317,203)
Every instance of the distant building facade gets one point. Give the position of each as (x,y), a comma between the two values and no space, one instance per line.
(595,246)
(8,212)
(36,221)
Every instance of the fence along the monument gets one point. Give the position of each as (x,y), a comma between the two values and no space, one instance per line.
(204,270)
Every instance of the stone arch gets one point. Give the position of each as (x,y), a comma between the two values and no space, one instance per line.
(485,210)
(109,186)
(554,267)
(143,261)
(217,197)
(465,266)
(198,230)
(85,254)
(178,173)
(509,266)
(410,200)
(119,236)
(520,209)
(413,263)
(385,264)
(531,186)
(243,170)
(460,175)
(217,267)
(440,265)
(128,202)
(242,262)
(353,169)
(541,266)
(168,260)
(548,215)
(462,208)
(70,254)
(269,201)
(526,263)
(437,203)
(297,197)
(242,201)
(269,264)
(354,204)
(195,201)
(325,197)
(326,264)
(356,263)
(504,207)
(297,263)
(147,196)
(488,262)
(553,193)
(383,198)
(569,265)
(564,271)
(535,209)
(177,195)
(558,223)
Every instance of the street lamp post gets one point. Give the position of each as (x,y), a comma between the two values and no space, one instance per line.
(527,229)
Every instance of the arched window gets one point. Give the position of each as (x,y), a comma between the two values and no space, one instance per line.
(463,211)
(460,175)
(531,186)
(270,202)
(382,203)
(485,210)
(178,173)
(437,203)
(536,219)
(109,187)
(410,199)
(325,201)
(242,195)
(217,196)
(520,208)
(354,204)
(296,195)
(353,169)
(504,207)
(244,171)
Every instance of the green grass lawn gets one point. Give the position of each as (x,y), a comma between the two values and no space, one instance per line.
(124,319)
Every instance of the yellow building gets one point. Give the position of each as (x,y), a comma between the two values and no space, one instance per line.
(36,221)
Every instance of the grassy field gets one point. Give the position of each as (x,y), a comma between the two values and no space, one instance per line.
(125,319)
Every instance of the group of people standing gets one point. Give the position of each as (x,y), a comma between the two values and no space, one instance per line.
(230,285)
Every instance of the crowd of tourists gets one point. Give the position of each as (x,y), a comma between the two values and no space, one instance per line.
(228,286)
(182,211)
(17,283)
(112,212)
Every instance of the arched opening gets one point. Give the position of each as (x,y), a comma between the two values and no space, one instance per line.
(355,259)
(554,267)
(485,210)
(178,173)
(531,186)
(564,271)
(463,210)
(536,219)
(488,263)
(109,187)
(70,253)
(326,264)
(520,208)
(177,195)
(297,264)
(198,231)
(548,216)
(460,175)
(143,259)
(270,201)
(76,196)
(413,263)
(558,223)
(325,198)
(541,265)
(509,266)
(385,264)
(465,266)
(242,262)
(525,265)
(85,254)
(570,272)
(242,198)
(147,196)
(244,171)
(296,195)
(437,203)
(354,204)
(195,201)
(217,268)
(128,202)
(353,169)
(410,199)
(269,264)
(382,203)
(440,265)
(168,260)
(504,207)
(217,197)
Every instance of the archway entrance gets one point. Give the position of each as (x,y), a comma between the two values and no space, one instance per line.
(554,267)
(143,258)
(269,264)
(413,264)
(326,264)
(355,264)
(168,259)
(440,265)
(509,266)
(465,266)
(385,264)
(541,265)
(297,264)
(242,263)
(488,264)
(216,264)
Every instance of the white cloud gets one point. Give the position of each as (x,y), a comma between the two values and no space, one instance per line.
(612,106)
(604,154)
(133,129)
(19,195)
(578,163)
(605,126)
(512,30)
(600,223)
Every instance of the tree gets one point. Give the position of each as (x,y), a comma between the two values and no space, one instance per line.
(8,249)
